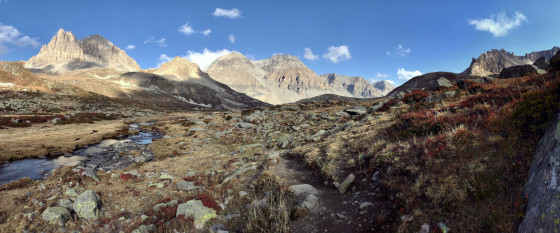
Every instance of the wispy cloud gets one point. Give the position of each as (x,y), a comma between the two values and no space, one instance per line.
(336,54)
(399,51)
(186,29)
(163,58)
(231,13)
(406,74)
(206,32)
(380,75)
(499,25)
(231,38)
(152,40)
(11,35)
(130,47)
(206,58)
(308,54)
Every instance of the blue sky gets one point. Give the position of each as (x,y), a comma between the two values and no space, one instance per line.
(390,40)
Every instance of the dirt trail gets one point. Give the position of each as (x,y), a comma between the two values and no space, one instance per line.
(335,212)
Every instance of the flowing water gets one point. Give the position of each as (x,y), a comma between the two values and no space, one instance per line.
(104,155)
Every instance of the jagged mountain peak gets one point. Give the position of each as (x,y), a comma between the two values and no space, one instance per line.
(65,53)
(494,61)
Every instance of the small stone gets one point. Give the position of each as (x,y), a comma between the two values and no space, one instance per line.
(164,176)
(242,193)
(443,227)
(346,184)
(187,185)
(66,204)
(425,228)
(365,204)
(71,193)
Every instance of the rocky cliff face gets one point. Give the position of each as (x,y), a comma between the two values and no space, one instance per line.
(494,61)
(65,53)
(357,86)
(543,187)
(283,79)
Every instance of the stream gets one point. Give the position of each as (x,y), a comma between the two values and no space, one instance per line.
(109,154)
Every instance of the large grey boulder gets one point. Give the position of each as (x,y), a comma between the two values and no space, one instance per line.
(87,205)
(518,71)
(196,210)
(543,186)
(56,215)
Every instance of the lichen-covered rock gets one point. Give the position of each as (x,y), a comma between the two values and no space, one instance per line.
(443,82)
(71,193)
(187,185)
(196,210)
(356,110)
(87,205)
(543,186)
(56,215)
(66,204)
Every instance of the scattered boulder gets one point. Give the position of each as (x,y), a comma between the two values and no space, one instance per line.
(87,205)
(443,83)
(66,204)
(244,125)
(159,206)
(309,202)
(303,190)
(187,185)
(425,228)
(356,110)
(346,184)
(86,172)
(56,215)
(196,210)
(518,71)
(71,193)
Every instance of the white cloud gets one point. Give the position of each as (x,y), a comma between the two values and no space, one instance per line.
(205,59)
(399,51)
(163,58)
(337,54)
(406,74)
(11,35)
(499,25)
(380,75)
(130,47)
(232,13)
(308,54)
(206,32)
(152,40)
(186,29)
(231,38)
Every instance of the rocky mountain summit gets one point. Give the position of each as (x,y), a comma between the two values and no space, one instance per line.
(65,53)
(284,79)
(494,61)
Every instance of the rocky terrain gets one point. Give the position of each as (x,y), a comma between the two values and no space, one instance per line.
(448,159)
(494,61)
(65,53)
(285,79)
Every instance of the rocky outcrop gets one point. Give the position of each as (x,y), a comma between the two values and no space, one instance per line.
(494,61)
(65,53)
(518,71)
(543,186)
(284,79)
(197,211)
(357,86)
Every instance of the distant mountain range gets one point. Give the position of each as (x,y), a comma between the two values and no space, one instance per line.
(494,61)
(232,81)
(284,79)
